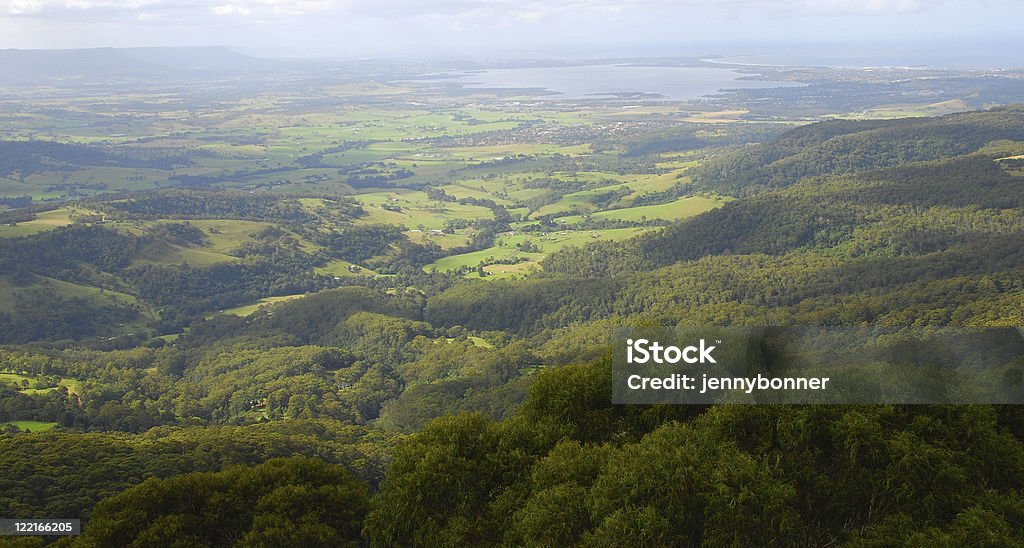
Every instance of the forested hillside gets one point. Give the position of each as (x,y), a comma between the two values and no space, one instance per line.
(571,469)
(841,147)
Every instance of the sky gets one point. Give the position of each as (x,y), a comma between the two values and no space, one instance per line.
(979,30)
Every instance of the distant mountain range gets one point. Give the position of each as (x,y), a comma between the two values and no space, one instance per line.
(104,65)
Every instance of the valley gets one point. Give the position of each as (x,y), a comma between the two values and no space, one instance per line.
(401,289)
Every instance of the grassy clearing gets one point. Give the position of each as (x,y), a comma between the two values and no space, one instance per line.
(523,194)
(506,247)
(165,253)
(510,271)
(428,171)
(399,196)
(678,163)
(638,185)
(582,201)
(15,378)
(673,211)
(473,259)
(554,241)
(341,268)
(248,309)
(477,341)
(644,184)
(224,236)
(31,426)
(429,218)
(47,220)
(414,209)
(62,288)
(74,386)
(462,190)
(445,241)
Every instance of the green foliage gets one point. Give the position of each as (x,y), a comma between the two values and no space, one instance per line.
(282,502)
(520,305)
(185,291)
(65,248)
(591,473)
(359,243)
(178,233)
(312,319)
(58,473)
(39,315)
(817,215)
(438,487)
(213,204)
(841,147)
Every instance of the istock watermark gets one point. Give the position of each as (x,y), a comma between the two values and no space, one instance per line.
(826,365)
(643,351)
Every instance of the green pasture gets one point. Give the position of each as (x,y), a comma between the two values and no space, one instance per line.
(505,247)
(167,253)
(47,220)
(74,386)
(62,288)
(475,258)
(482,343)
(340,269)
(579,201)
(31,426)
(248,309)
(415,209)
(223,236)
(444,241)
(679,209)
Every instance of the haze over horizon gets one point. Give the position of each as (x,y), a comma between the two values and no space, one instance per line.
(952,33)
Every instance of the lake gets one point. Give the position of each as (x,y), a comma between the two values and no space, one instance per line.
(609,81)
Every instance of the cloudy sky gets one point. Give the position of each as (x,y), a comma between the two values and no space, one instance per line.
(476,28)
